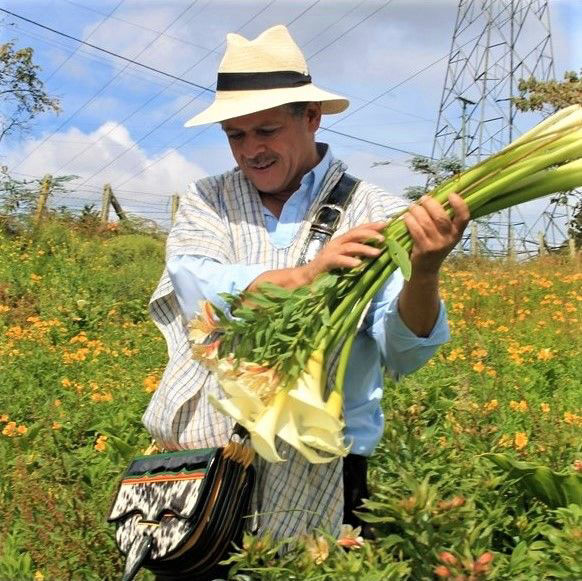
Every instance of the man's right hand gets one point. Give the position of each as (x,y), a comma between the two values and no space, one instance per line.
(344,251)
(341,252)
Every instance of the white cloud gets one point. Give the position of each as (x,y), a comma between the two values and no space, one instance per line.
(161,175)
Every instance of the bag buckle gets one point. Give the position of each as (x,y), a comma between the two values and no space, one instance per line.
(327,218)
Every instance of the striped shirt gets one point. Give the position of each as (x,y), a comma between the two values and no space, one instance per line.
(222,218)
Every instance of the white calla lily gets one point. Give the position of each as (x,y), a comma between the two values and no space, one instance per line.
(329,442)
(241,410)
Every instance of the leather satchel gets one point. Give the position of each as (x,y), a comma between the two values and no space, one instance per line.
(178,514)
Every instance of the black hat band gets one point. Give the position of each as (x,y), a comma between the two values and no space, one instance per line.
(254,81)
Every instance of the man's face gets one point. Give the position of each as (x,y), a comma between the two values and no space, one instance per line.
(274,148)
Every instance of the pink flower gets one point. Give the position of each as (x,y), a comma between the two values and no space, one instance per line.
(441,571)
(447,558)
(204,324)
(350,537)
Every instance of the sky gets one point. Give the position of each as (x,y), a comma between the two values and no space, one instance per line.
(123,124)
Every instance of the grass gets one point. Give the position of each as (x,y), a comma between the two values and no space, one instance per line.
(79,359)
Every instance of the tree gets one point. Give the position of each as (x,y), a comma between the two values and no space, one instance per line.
(22,93)
(435,171)
(549,96)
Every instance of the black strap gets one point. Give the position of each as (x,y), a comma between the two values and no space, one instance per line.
(328,216)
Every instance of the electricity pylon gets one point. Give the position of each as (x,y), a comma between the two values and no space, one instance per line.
(495,44)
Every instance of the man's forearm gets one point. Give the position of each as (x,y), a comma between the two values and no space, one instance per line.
(285,277)
(419,303)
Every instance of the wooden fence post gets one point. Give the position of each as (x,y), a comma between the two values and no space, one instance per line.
(105,203)
(572,246)
(117,206)
(45,190)
(175,206)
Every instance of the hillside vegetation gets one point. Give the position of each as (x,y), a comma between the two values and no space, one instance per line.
(79,359)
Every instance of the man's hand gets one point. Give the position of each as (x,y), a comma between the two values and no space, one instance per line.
(434,235)
(433,232)
(340,252)
(343,251)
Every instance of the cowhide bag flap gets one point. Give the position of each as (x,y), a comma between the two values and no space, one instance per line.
(179,513)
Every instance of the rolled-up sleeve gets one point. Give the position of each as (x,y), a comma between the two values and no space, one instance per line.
(402,350)
(197,278)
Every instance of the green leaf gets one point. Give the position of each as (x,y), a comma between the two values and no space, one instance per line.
(552,488)
(400,257)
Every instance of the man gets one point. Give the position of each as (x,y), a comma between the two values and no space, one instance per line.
(247,227)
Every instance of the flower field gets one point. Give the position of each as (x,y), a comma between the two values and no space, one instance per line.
(79,360)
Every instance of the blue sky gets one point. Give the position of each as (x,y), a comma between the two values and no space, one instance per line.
(124,125)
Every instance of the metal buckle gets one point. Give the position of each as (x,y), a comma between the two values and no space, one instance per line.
(327,227)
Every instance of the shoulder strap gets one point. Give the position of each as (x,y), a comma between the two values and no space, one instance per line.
(328,216)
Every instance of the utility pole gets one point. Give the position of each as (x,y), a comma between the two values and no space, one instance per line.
(105,203)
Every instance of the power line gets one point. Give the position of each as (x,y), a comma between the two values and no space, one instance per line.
(350,29)
(102,88)
(176,38)
(70,56)
(187,104)
(109,52)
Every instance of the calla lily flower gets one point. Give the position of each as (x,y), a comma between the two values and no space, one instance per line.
(263,431)
(241,410)
(329,442)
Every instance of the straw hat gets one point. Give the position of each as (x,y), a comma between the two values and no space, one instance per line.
(258,74)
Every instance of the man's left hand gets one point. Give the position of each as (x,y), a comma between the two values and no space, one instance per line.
(433,232)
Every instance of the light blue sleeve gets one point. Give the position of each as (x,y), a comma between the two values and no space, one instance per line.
(196,278)
(402,351)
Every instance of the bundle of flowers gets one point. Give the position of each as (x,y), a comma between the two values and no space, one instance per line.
(271,351)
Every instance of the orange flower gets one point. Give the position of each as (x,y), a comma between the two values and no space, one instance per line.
(9,429)
(4,418)
(478,367)
(56,426)
(21,430)
(207,354)
(456,354)
(151,382)
(447,558)
(545,407)
(204,324)
(518,407)
(101,444)
(350,537)
(572,419)
(520,440)
(491,406)
(545,354)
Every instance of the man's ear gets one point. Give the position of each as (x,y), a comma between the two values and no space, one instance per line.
(313,116)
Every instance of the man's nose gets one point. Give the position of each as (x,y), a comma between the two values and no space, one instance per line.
(253,146)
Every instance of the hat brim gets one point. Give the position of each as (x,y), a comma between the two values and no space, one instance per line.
(231,104)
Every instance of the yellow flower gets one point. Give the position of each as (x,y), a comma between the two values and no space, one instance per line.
(151,382)
(9,429)
(491,405)
(101,444)
(21,430)
(4,418)
(479,353)
(572,419)
(502,329)
(478,367)
(66,382)
(35,278)
(456,354)
(38,576)
(317,549)
(520,440)
(545,407)
(518,406)
(545,354)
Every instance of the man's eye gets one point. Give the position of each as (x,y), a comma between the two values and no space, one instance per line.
(234,136)
(266,132)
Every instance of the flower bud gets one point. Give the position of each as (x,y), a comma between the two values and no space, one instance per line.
(441,571)
(447,558)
